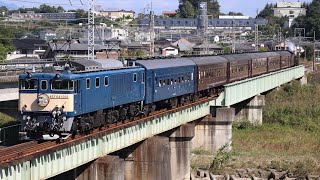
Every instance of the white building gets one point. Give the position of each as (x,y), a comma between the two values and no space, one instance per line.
(289,9)
(169,50)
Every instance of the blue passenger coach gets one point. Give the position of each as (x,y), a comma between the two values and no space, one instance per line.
(168,78)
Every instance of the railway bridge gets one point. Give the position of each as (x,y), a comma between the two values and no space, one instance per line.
(155,147)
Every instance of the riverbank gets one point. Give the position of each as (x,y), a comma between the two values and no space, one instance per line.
(288,141)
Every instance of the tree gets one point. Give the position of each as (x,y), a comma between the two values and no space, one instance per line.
(3,11)
(267,11)
(213,7)
(187,10)
(5,42)
(235,14)
(311,22)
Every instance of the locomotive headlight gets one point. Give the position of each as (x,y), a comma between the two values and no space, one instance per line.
(58,113)
(28,118)
(54,113)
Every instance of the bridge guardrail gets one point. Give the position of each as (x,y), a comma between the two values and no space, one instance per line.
(9,135)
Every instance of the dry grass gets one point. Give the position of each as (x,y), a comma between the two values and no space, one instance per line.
(5,119)
(288,140)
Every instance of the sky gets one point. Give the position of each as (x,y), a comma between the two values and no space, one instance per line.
(247,7)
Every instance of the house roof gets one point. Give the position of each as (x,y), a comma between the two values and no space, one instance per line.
(27,43)
(206,45)
(184,45)
(73,47)
(172,46)
(244,47)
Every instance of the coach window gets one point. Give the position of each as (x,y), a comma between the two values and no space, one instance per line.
(88,83)
(106,81)
(97,82)
(171,81)
(44,85)
(160,83)
(135,77)
(168,82)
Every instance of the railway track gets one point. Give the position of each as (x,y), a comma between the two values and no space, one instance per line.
(24,150)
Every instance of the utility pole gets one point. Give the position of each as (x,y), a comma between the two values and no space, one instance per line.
(299,46)
(91,30)
(151,32)
(256,42)
(234,36)
(314,50)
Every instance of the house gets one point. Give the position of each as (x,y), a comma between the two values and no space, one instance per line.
(185,47)
(289,9)
(243,48)
(169,50)
(207,48)
(34,48)
(48,35)
(31,15)
(117,14)
(75,50)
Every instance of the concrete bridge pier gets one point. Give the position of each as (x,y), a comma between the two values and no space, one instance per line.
(251,110)
(180,151)
(303,80)
(108,167)
(214,132)
(166,156)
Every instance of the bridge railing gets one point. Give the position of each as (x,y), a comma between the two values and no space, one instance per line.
(9,135)
(241,90)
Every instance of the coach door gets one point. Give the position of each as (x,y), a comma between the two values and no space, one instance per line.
(77,96)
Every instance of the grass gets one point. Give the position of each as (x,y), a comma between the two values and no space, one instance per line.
(6,120)
(288,140)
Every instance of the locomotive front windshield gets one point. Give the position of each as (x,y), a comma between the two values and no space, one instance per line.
(62,85)
(28,84)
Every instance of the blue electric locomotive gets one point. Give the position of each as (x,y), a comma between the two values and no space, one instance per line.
(54,103)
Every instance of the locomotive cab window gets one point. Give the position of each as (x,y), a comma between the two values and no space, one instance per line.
(88,83)
(106,81)
(76,88)
(97,82)
(143,78)
(65,84)
(44,85)
(135,77)
(28,84)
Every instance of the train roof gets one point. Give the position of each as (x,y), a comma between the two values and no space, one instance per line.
(237,57)
(165,63)
(92,65)
(209,60)
(284,53)
(263,55)
(109,63)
